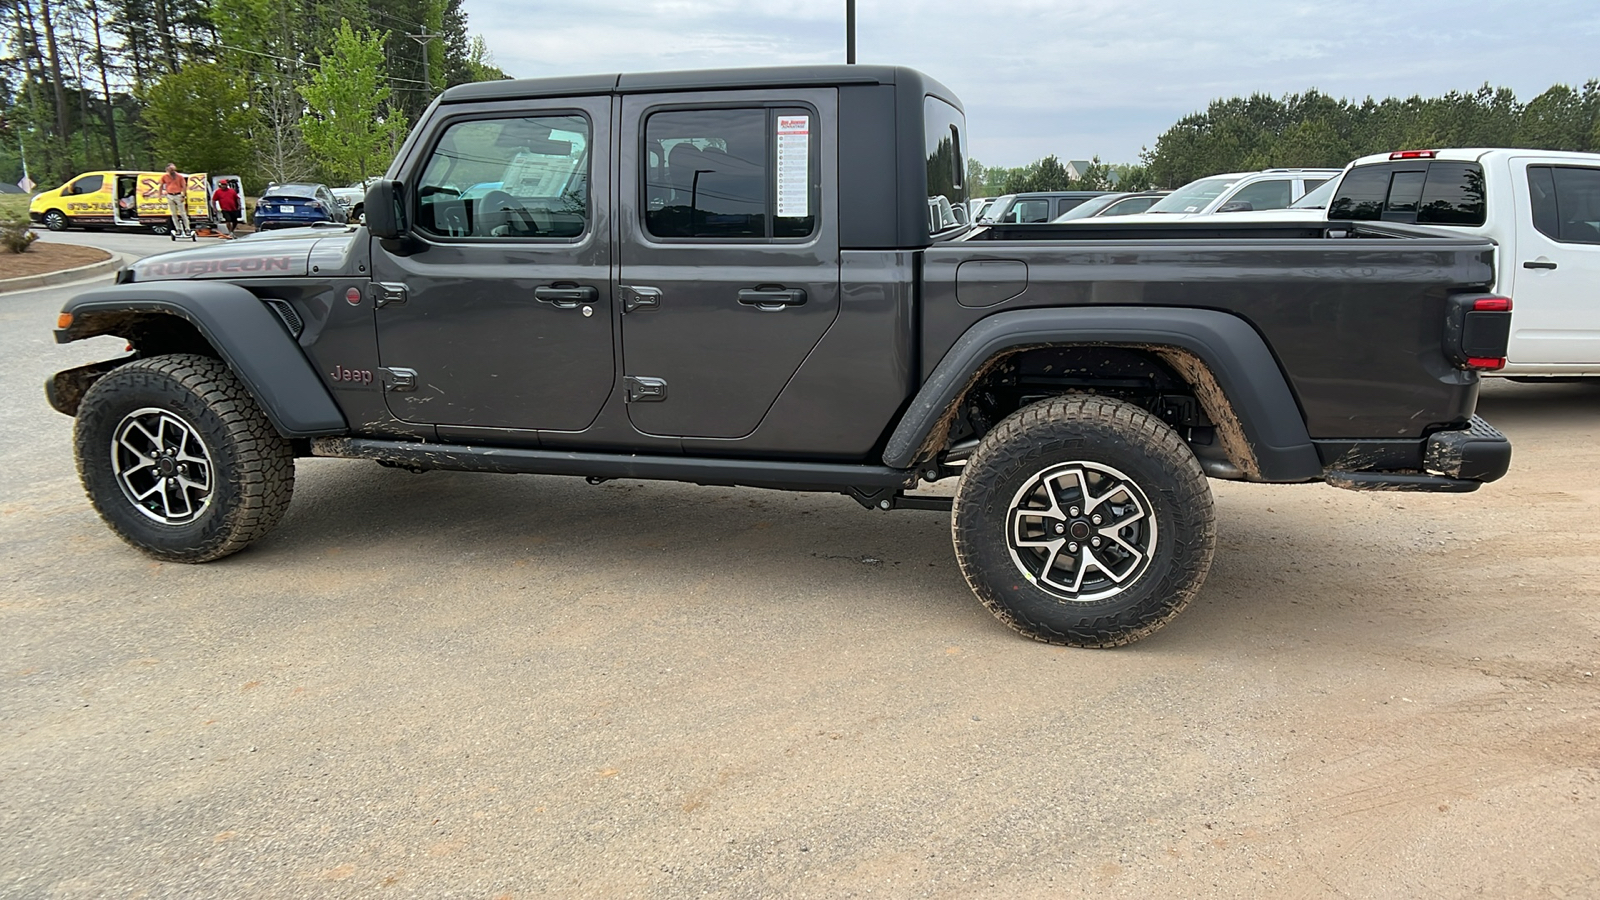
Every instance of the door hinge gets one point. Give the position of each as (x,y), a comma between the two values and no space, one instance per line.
(385,293)
(399,380)
(645,390)
(637,297)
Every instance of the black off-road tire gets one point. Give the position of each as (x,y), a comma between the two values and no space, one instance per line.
(247,467)
(1115,459)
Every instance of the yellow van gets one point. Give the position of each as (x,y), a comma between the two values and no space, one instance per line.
(118,199)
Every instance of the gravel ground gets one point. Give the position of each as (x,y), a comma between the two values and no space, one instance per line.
(453,685)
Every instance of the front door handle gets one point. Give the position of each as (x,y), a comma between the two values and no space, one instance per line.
(565,294)
(1538,264)
(772,299)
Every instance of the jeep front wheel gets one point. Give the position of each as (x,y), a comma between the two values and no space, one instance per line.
(1084,520)
(178,459)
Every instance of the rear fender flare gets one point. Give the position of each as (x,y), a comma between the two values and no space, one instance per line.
(1214,351)
(239,327)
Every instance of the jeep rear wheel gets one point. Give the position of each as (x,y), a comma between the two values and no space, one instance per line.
(1085,521)
(178,459)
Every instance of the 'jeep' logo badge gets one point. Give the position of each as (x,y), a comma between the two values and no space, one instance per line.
(358,376)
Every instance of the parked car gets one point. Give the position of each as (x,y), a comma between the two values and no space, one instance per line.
(1242,192)
(352,198)
(741,322)
(977,205)
(294,205)
(1125,204)
(1034,206)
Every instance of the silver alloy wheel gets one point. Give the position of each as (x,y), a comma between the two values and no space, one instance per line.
(1081,531)
(162,466)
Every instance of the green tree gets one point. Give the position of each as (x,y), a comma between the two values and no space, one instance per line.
(198,117)
(351,125)
(480,62)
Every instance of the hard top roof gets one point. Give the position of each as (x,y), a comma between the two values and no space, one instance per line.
(694,80)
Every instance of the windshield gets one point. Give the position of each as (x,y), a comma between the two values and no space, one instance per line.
(1317,199)
(1193,197)
(1088,208)
(996,207)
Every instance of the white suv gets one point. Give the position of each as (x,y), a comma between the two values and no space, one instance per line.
(1242,192)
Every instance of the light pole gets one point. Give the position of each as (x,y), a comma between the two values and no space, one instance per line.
(850,32)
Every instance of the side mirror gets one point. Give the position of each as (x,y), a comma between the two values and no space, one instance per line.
(1236,206)
(385,206)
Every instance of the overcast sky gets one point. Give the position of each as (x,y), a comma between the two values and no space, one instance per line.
(1075,77)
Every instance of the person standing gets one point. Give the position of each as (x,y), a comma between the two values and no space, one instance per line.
(174,188)
(228,202)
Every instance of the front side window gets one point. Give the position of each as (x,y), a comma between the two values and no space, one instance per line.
(943,125)
(731,173)
(515,179)
(1272,194)
(1028,211)
(88,184)
(1566,203)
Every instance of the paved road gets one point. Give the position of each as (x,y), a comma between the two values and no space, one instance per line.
(451,685)
(131,243)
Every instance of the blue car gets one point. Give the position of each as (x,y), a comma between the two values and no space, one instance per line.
(296,205)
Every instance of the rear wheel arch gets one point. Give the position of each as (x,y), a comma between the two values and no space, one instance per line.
(1218,358)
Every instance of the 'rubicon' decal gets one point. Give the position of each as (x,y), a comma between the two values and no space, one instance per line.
(179,268)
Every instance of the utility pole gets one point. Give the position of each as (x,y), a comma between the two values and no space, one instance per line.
(850,32)
(425,39)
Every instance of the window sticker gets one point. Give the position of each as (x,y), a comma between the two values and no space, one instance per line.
(794,166)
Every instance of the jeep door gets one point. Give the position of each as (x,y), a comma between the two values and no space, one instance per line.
(729,252)
(496,312)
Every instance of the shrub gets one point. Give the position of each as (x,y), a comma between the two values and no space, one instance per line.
(14,233)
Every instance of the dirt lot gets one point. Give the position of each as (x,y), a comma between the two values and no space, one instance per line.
(480,686)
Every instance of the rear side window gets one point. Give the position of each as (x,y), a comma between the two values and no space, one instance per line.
(943,127)
(1566,203)
(1445,193)
(1453,195)
(731,173)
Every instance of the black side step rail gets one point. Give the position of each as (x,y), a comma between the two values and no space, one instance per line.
(840,478)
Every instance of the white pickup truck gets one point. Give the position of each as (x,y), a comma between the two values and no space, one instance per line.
(1541,208)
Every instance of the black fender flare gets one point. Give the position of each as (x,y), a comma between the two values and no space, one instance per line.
(1237,358)
(243,331)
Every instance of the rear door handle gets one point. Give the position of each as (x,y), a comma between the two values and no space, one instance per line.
(772,299)
(566,295)
(1538,264)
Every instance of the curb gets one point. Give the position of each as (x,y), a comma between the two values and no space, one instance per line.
(61,276)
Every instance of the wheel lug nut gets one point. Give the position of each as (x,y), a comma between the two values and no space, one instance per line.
(1073,547)
(1095,520)
(1061,528)
(1073,511)
(1095,542)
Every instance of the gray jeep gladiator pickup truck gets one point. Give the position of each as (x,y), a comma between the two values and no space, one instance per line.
(754,277)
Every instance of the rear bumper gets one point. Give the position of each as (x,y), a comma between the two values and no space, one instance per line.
(1454,461)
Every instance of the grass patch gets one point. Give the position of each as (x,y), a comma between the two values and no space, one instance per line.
(14,205)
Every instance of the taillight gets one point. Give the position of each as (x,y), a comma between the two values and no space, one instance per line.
(314,205)
(1477,331)
(1414,154)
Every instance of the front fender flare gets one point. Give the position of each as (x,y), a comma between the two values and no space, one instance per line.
(247,336)
(1235,355)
